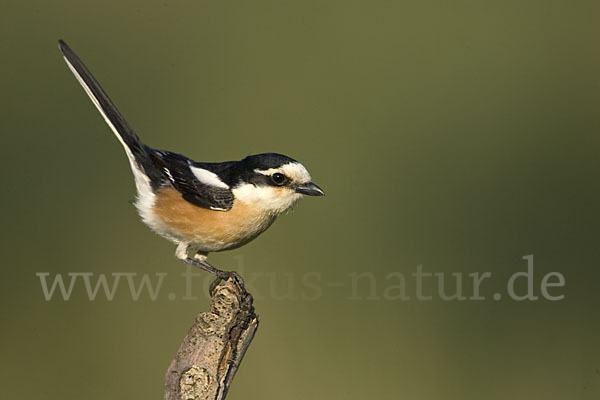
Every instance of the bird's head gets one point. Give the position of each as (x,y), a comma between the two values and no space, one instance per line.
(273,182)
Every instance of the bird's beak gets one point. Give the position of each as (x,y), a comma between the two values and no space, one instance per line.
(310,189)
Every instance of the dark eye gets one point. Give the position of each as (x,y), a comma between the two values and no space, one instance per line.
(278,179)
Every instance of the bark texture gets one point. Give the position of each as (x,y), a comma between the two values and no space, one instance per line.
(212,351)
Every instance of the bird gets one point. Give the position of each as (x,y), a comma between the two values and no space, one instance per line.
(202,207)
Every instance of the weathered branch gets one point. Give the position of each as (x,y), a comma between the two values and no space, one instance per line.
(213,349)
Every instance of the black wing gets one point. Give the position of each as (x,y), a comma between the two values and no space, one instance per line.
(177,169)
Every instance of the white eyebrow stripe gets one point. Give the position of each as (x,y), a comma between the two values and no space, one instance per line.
(208,178)
(269,171)
(294,171)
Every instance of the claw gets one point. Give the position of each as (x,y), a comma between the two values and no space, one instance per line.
(224,276)
(221,275)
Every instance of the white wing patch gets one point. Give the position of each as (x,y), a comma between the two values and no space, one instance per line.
(208,178)
(166,170)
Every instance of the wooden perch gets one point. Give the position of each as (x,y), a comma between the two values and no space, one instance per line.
(213,349)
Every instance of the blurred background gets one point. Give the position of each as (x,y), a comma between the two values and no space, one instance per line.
(459,136)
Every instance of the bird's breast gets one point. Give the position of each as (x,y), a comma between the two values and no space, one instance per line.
(209,230)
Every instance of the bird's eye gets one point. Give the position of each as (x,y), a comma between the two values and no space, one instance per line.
(278,179)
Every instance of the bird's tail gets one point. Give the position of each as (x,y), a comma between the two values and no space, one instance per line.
(147,175)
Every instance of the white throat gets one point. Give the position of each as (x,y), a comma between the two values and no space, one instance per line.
(272,200)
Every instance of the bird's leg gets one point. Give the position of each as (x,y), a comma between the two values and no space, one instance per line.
(199,261)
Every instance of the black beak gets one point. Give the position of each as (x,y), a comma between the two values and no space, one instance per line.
(310,189)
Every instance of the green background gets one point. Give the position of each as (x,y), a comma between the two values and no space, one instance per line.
(460,136)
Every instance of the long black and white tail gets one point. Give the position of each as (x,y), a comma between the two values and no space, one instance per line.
(147,175)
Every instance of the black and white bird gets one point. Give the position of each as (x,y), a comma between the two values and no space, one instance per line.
(202,207)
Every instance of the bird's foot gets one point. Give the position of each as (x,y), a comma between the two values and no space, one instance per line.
(201,263)
(226,275)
